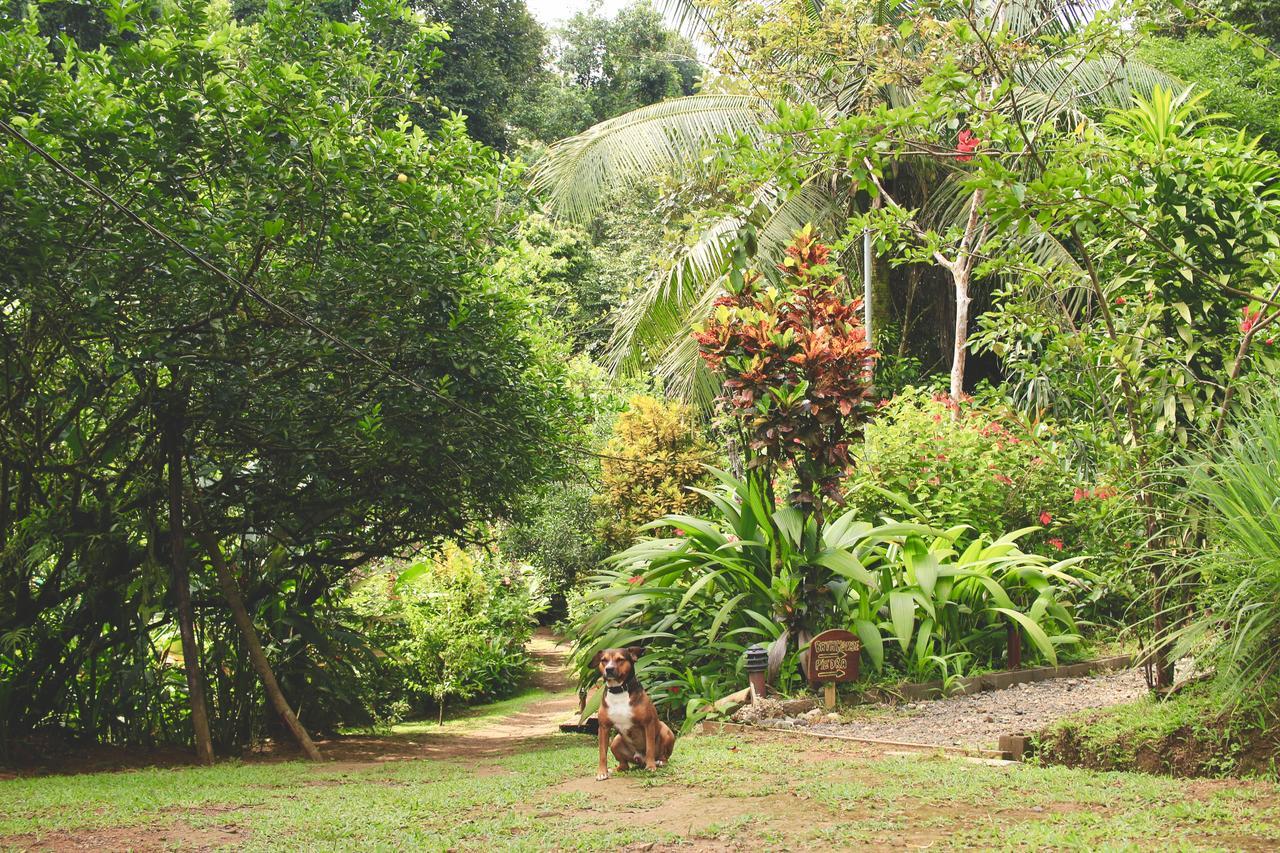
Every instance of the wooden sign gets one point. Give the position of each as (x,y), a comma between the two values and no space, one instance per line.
(833,657)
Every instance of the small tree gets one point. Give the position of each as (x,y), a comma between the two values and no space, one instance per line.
(797,367)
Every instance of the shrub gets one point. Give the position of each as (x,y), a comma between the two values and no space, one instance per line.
(451,627)
(669,452)
(983,466)
(796,366)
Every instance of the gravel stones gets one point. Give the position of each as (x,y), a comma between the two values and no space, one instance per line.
(978,720)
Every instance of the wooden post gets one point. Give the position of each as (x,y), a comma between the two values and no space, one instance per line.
(829,695)
(1014,640)
(180,580)
(231,591)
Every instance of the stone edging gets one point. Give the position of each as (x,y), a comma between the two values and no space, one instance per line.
(995,680)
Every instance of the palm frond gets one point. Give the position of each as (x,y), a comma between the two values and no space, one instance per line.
(654,330)
(577,172)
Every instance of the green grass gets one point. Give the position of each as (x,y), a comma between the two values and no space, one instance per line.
(717,788)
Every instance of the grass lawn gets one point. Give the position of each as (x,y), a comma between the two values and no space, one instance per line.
(721,792)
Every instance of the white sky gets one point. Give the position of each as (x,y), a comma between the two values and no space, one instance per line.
(555,11)
(551,12)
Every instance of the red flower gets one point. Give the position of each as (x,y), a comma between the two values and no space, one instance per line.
(1250,320)
(1104,492)
(967,142)
(1120,300)
(934,481)
(1001,478)
(1080,494)
(674,689)
(1270,341)
(635,579)
(1045,518)
(1056,543)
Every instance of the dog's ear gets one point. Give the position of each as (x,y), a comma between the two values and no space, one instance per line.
(634,652)
(595,659)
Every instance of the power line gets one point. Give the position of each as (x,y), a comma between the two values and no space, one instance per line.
(271,304)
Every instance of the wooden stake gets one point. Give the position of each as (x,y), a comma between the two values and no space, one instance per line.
(231,591)
(829,695)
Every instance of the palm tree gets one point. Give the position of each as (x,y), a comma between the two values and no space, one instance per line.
(653,329)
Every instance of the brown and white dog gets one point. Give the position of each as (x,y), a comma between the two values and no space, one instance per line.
(642,737)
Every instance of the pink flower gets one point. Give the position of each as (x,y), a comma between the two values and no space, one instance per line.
(1056,543)
(1270,341)
(934,481)
(679,532)
(635,579)
(1080,494)
(1045,518)
(1104,492)
(1001,478)
(1120,300)
(1037,461)
(1250,320)
(966,143)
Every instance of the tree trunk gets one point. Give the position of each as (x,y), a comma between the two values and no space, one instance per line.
(181,582)
(961,271)
(960,349)
(256,655)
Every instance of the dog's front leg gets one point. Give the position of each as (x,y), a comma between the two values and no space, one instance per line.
(602,773)
(650,745)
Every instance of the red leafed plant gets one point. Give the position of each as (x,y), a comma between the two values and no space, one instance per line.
(796,366)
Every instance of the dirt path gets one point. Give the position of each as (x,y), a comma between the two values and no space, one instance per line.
(490,739)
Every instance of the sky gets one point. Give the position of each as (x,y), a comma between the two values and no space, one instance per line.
(555,11)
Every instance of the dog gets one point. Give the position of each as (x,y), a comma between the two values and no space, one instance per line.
(625,706)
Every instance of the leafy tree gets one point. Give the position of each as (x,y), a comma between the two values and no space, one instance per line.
(157,415)
(834,60)
(602,67)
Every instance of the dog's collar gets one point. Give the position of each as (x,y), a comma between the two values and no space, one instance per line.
(632,683)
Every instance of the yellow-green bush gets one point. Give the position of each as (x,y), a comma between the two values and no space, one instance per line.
(669,452)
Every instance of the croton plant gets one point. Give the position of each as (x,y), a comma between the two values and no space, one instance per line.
(796,365)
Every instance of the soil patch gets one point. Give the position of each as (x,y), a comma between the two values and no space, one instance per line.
(134,838)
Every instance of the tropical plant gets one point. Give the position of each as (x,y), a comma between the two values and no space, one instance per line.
(750,572)
(1234,493)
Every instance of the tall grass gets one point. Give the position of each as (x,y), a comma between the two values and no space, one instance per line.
(1237,489)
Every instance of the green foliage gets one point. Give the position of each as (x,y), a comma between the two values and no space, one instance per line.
(452,627)
(625,62)
(922,600)
(493,53)
(656,452)
(981,464)
(1232,494)
(560,537)
(1242,86)
(280,150)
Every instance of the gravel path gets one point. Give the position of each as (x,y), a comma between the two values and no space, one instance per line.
(979,720)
